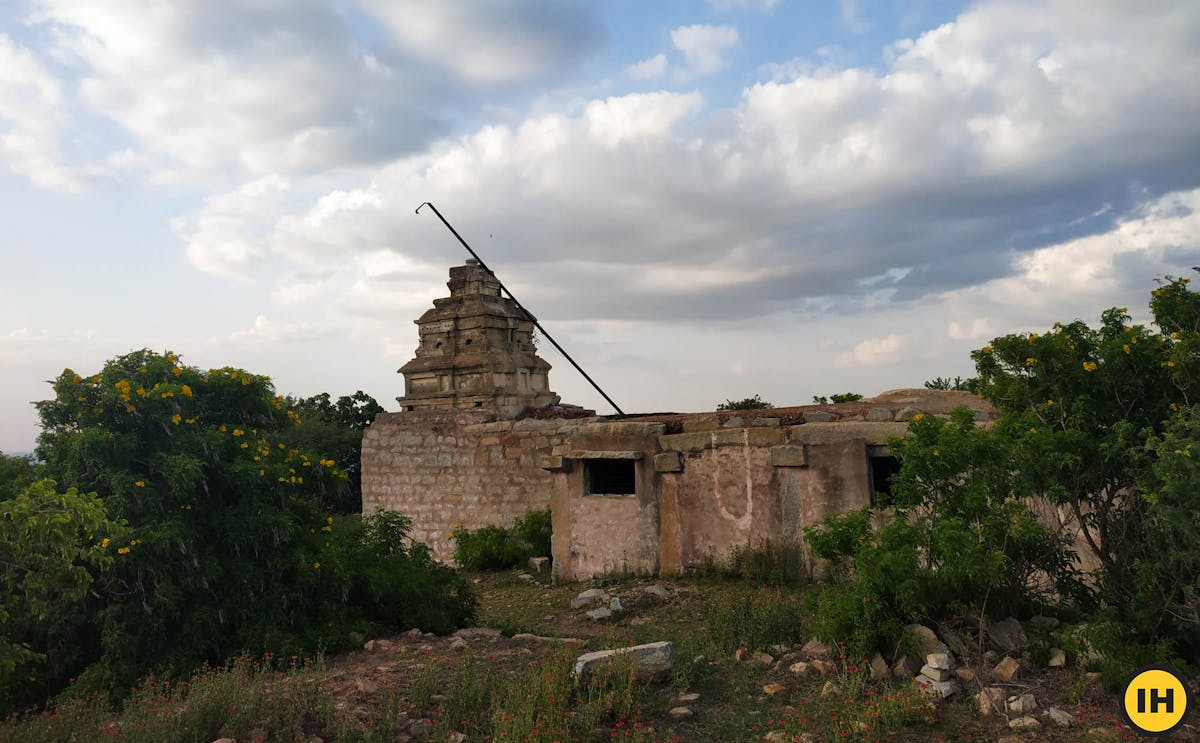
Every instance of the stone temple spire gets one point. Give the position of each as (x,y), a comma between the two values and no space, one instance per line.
(476,352)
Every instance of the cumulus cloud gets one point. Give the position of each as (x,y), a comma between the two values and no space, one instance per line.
(705,46)
(649,68)
(300,87)
(873,351)
(852,16)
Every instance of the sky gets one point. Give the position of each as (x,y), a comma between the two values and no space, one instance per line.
(700,200)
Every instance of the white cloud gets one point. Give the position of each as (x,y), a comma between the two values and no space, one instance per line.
(852,16)
(227,235)
(648,69)
(31,101)
(874,351)
(976,329)
(705,46)
(267,331)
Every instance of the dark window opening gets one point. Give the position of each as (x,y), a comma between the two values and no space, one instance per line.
(468,342)
(478,404)
(608,477)
(412,407)
(883,471)
(438,344)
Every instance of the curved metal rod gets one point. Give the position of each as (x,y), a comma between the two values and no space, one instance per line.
(517,302)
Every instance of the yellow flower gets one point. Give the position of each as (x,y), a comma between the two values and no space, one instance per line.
(1133,339)
(1030,361)
(260,472)
(1174,406)
(186,391)
(245,445)
(986,349)
(139,484)
(176,418)
(1171,363)
(1033,430)
(104,543)
(316,566)
(221,428)
(1089,366)
(122,550)
(1124,309)
(936,453)
(328,519)
(918,416)
(1125,348)
(189,420)
(1050,402)
(1174,336)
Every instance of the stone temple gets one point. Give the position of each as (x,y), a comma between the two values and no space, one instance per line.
(481,439)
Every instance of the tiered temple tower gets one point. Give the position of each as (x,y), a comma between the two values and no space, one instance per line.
(476,352)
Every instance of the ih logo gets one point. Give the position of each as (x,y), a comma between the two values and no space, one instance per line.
(1155,701)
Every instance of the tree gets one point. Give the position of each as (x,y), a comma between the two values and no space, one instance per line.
(52,544)
(335,428)
(946,383)
(228,521)
(746,403)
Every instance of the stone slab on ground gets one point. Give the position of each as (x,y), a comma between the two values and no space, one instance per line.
(652,661)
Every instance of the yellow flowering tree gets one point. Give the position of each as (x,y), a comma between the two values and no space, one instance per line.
(226,515)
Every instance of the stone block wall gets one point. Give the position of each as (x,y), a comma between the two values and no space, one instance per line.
(448,468)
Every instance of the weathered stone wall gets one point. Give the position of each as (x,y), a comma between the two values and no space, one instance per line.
(449,468)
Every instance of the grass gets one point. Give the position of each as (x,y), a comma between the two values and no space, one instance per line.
(512,691)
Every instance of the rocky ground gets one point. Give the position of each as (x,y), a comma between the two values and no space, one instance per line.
(988,683)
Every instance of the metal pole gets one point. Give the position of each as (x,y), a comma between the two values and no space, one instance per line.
(517,302)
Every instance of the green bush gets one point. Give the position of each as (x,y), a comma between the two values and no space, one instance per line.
(500,548)
(757,620)
(766,562)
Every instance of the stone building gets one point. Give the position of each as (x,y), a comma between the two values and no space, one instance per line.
(480,439)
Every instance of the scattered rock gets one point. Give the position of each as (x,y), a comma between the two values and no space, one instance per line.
(1021,705)
(940,661)
(777,737)
(741,654)
(414,632)
(990,700)
(965,675)
(689,697)
(1007,634)
(778,649)
(1058,658)
(590,596)
(657,590)
(1007,669)
(774,689)
(372,645)
(651,661)
(1092,677)
(615,604)
(602,613)
(680,713)
(906,667)
(1060,717)
(879,668)
(954,640)
(800,668)
(937,674)
(818,416)
(764,659)
(225,740)
(927,638)
(932,687)
(538,564)
(1024,723)
(879,414)
(829,688)
(524,576)
(822,666)
(814,648)
(456,737)
(639,621)
(469,633)
(458,644)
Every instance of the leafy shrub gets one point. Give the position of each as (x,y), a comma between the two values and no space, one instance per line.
(956,541)
(746,403)
(500,548)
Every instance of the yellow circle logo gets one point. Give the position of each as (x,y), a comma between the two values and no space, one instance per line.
(1155,701)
